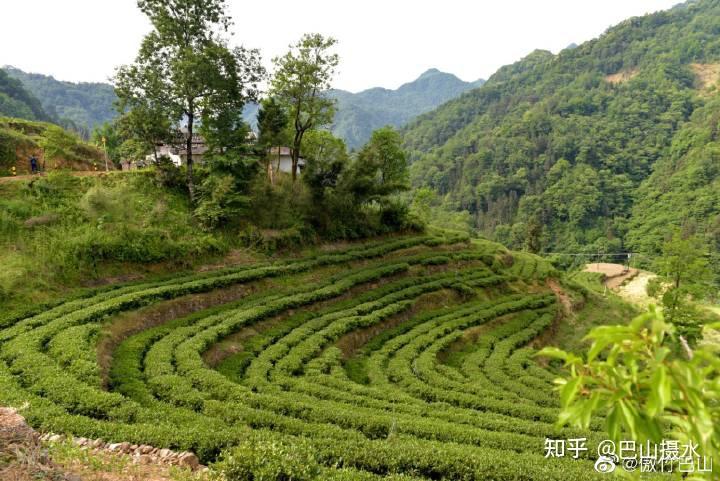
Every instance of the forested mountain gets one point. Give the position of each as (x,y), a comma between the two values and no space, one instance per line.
(603,147)
(358,114)
(82,106)
(78,105)
(685,184)
(16,101)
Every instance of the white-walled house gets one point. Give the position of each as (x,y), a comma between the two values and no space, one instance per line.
(178,153)
(281,160)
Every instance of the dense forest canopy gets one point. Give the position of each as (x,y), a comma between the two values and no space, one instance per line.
(81,106)
(16,101)
(557,152)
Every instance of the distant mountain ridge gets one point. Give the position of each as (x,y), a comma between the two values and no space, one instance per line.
(358,114)
(17,101)
(81,106)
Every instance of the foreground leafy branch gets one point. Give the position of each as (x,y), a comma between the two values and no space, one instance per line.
(647,389)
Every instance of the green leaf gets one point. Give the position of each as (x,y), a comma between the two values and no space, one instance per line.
(569,391)
(587,409)
(630,417)
(612,423)
(661,392)
(552,352)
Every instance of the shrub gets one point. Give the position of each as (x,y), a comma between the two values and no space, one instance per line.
(258,459)
(168,175)
(395,215)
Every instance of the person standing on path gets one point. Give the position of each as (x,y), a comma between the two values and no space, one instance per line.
(33,164)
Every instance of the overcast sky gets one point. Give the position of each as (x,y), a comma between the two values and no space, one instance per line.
(382,42)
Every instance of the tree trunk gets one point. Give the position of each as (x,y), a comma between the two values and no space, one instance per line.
(295,154)
(188,152)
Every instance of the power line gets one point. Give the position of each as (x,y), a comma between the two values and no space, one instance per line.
(617,254)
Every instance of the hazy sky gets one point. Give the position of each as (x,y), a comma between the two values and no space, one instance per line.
(382,42)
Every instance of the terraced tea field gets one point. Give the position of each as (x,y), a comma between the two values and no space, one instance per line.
(403,359)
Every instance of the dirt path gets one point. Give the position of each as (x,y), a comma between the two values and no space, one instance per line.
(615,274)
(26,456)
(628,283)
(74,173)
(562,296)
(635,291)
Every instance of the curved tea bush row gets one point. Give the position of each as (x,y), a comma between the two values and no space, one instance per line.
(349,367)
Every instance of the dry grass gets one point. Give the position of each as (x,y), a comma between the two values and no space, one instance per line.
(707,74)
(87,465)
(622,76)
(22,456)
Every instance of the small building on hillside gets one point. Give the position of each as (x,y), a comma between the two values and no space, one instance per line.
(176,150)
(281,160)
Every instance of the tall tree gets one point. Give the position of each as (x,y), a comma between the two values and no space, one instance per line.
(186,68)
(301,81)
(327,158)
(684,275)
(145,127)
(383,163)
(272,123)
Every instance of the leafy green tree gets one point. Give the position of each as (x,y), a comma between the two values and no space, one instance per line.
(533,236)
(273,123)
(220,201)
(56,144)
(132,150)
(646,390)
(146,127)
(684,275)
(301,80)
(223,126)
(326,158)
(108,131)
(184,67)
(382,165)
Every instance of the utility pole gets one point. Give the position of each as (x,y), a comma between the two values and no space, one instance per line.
(106,155)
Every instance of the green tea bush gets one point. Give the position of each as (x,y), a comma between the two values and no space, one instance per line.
(258,459)
(280,404)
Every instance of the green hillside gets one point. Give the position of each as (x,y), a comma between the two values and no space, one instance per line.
(401,359)
(54,147)
(80,105)
(16,101)
(555,151)
(419,309)
(358,114)
(684,187)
